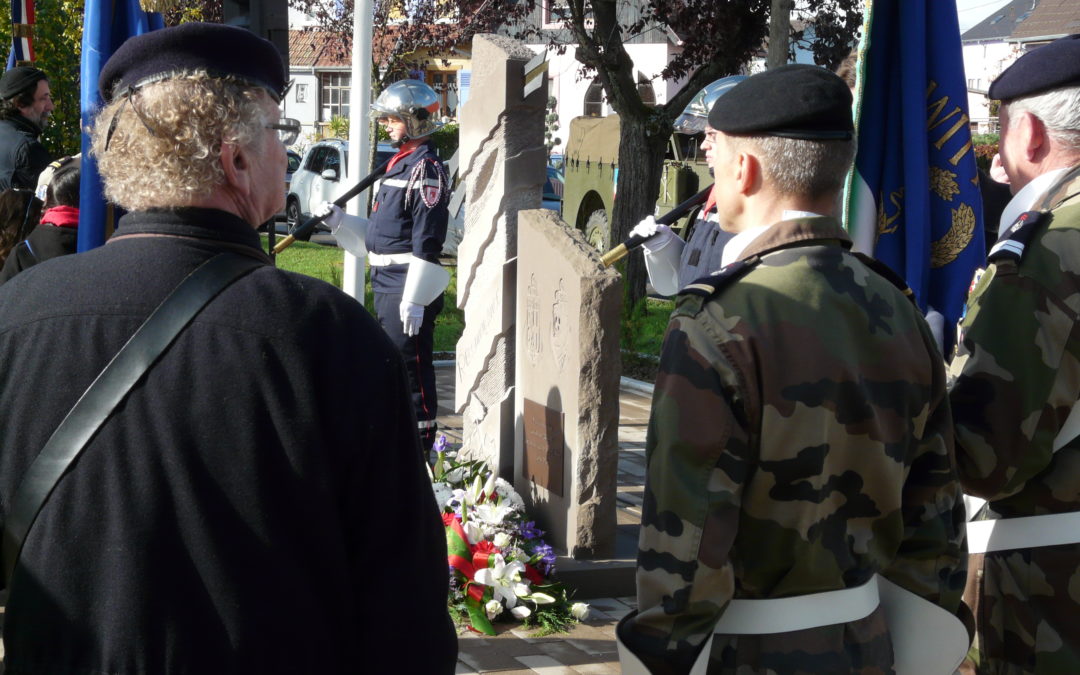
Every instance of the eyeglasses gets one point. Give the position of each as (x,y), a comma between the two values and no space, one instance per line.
(288,130)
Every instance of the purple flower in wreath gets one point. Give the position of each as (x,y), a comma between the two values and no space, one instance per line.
(546,563)
(440,443)
(529,530)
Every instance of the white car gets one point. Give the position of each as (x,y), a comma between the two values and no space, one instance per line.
(322,176)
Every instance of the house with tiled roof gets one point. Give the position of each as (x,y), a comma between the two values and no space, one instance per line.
(321,72)
(1003,36)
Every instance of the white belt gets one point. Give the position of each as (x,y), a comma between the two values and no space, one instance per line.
(384,259)
(927,640)
(1006,534)
(781,615)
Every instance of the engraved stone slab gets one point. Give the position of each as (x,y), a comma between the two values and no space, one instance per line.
(567,367)
(503,155)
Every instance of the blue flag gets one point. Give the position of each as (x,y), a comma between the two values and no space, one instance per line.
(106,24)
(914,199)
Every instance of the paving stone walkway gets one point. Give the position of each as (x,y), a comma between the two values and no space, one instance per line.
(589,648)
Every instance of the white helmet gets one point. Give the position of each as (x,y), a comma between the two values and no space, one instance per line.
(696,115)
(412,101)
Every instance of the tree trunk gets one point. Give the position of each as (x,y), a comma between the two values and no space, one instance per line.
(779,33)
(641,157)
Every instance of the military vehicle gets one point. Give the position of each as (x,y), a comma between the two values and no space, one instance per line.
(592,166)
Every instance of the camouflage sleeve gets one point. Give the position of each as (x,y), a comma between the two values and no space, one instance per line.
(931,560)
(1013,381)
(697,456)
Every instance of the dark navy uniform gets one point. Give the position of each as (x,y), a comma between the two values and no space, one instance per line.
(702,253)
(409,218)
(236,513)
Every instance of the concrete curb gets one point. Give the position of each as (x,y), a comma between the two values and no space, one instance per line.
(636,386)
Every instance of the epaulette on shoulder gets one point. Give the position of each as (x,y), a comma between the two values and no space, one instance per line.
(1010,246)
(885,271)
(710,285)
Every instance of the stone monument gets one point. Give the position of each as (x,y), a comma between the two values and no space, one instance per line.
(502,165)
(567,394)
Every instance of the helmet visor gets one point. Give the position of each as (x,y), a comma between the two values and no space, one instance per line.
(690,124)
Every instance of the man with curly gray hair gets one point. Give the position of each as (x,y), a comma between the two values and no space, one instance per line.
(231,514)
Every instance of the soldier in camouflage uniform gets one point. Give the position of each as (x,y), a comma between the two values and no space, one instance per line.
(800,438)
(1016,377)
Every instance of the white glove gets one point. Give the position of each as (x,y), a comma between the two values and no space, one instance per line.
(331,214)
(656,236)
(412,315)
(349,231)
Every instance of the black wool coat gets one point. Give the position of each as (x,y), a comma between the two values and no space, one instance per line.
(258,503)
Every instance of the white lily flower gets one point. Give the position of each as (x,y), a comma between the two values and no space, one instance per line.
(501,539)
(541,598)
(489,486)
(580,611)
(521,612)
(503,578)
(521,589)
(492,513)
(473,531)
(493,608)
(476,491)
(454,476)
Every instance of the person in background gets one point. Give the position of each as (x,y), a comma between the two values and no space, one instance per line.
(671,262)
(1015,378)
(259,501)
(19,212)
(405,237)
(25,106)
(800,441)
(58,231)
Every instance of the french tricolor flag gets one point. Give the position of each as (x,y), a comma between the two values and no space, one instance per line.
(22,31)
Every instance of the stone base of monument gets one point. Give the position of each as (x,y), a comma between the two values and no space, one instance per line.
(608,578)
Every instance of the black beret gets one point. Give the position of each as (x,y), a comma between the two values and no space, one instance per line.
(1053,65)
(794,101)
(217,49)
(20,79)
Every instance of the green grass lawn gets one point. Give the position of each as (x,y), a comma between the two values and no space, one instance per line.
(642,329)
(328,263)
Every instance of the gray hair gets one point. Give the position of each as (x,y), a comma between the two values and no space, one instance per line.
(1059,110)
(161,148)
(797,166)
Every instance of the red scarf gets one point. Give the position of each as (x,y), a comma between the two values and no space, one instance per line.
(61,216)
(407,149)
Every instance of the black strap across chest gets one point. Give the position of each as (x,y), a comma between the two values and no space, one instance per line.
(108,390)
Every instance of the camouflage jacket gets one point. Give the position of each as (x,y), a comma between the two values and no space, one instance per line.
(1016,373)
(1013,381)
(800,441)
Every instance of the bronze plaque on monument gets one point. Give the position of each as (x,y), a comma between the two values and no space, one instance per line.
(544,445)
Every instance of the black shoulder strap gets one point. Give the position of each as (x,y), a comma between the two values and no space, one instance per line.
(712,284)
(107,391)
(1011,244)
(887,272)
